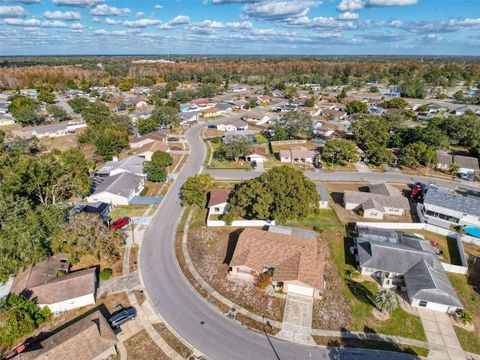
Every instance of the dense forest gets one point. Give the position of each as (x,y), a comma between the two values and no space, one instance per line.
(326,71)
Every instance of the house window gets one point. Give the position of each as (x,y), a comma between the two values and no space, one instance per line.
(422,303)
(217,209)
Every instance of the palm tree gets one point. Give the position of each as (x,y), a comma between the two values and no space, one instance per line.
(453,168)
(386,301)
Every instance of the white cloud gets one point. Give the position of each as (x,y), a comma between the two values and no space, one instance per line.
(177,21)
(279,10)
(158,6)
(382,3)
(140,14)
(233,1)
(348,15)
(110,21)
(22,22)
(350,5)
(105,10)
(12,11)
(59,15)
(141,23)
(37,23)
(78,3)
(117,32)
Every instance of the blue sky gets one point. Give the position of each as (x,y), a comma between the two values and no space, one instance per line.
(418,27)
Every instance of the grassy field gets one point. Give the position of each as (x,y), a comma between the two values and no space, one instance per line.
(130,211)
(223,164)
(347,167)
(324,218)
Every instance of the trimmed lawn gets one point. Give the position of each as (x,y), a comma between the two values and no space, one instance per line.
(468,290)
(130,211)
(325,218)
(223,164)
(347,167)
(260,138)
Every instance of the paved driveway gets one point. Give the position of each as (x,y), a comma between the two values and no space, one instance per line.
(439,331)
(297,319)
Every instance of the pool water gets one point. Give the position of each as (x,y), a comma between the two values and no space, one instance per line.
(472,230)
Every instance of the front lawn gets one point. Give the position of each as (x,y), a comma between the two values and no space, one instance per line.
(324,218)
(130,211)
(468,290)
(224,164)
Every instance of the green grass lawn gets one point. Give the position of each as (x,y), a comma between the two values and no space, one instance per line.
(223,164)
(465,288)
(130,211)
(324,218)
(260,138)
(348,167)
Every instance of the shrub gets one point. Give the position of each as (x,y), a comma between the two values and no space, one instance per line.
(105,274)
(463,316)
(263,280)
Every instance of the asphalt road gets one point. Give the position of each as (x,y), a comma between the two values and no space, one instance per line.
(227,174)
(189,314)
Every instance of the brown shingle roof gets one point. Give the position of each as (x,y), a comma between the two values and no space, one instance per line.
(41,283)
(298,152)
(83,340)
(153,146)
(218,196)
(154,135)
(258,150)
(293,257)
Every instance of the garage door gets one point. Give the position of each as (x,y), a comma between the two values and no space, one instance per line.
(300,290)
(437,307)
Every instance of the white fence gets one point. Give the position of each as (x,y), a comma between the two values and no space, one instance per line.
(241,223)
(471,240)
(288,142)
(457,269)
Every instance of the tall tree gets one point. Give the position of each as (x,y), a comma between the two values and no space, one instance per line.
(234,148)
(295,124)
(194,191)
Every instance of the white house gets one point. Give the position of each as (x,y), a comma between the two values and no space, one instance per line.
(405,262)
(468,164)
(297,155)
(131,164)
(60,293)
(441,207)
(117,189)
(189,117)
(381,200)
(217,203)
(233,125)
(56,130)
(257,156)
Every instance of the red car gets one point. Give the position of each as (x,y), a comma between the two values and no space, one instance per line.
(120,223)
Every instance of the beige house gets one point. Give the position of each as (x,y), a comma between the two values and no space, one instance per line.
(45,284)
(289,255)
(381,200)
(297,155)
(90,338)
(256,156)
(154,136)
(146,151)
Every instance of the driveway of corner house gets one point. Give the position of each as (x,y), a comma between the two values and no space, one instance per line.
(196,321)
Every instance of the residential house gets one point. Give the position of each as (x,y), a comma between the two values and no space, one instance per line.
(257,117)
(224,108)
(290,256)
(236,89)
(6,120)
(90,338)
(201,104)
(147,150)
(141,104)
(256,156)
(218,200)
(334,115)
(381,200)
(232,125)
(461,110)
(151,137)
(210,112)
(50,284)
(141,114)
(239,104)
(247,134)
(323,194)
(117,189)
(406,262)
(297,155)
(442,207)
(131,164)
(56,130)
(4,108)
(189,117)
(468,164)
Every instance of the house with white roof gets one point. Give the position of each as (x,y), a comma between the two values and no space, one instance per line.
(117,189)
(131,164)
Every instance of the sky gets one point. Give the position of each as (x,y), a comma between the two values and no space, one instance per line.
(297,27)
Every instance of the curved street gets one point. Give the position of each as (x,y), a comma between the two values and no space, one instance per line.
(189,314)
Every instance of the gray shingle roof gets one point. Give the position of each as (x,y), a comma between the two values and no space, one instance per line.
(132,164)
(322,192)
(405,254)
(292,231)
(123,184)
(465,204)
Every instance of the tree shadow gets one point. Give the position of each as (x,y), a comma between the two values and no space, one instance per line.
(361,292)
(232,243)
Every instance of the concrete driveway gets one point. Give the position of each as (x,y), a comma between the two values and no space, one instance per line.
(297,320)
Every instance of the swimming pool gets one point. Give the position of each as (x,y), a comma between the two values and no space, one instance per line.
(472,230)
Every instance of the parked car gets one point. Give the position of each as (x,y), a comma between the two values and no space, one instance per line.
(468,177)
(120,223)
(122,316)
(417,190)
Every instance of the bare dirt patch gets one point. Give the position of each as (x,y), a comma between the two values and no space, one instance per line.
(211,250)
(172,340)
(88,261)
(142,347)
